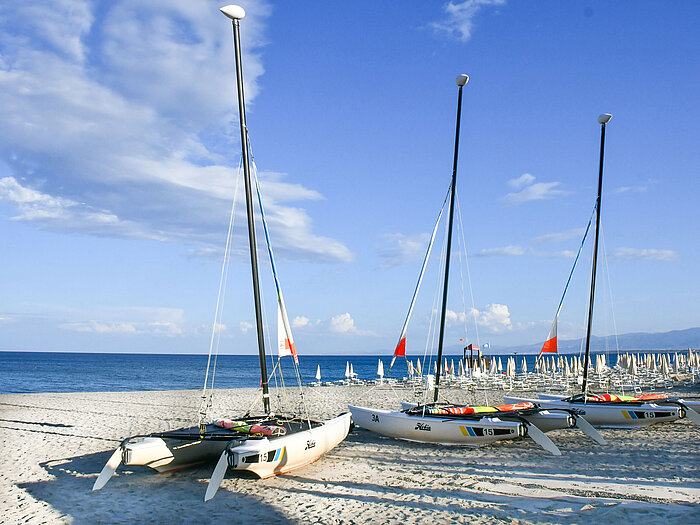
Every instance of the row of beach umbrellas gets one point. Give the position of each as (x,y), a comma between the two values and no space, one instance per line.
(633,364)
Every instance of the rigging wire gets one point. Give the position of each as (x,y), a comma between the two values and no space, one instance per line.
(463,245)
(216,327)
(610,292)
(435,314)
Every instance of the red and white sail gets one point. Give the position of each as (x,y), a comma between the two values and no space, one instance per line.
(550,345)
(285,341)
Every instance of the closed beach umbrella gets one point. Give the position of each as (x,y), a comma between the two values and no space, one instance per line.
(318,373)
(510,368)
(419,369)
(347,369)
(410,368)
(452,367)
(352,372)
(500,365)
(664,365)
(380,369)
(523,367)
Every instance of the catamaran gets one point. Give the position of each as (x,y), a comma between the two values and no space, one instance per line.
(607,410)
(446,423)
(266,444)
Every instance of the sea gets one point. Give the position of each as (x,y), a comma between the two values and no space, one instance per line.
(35,372)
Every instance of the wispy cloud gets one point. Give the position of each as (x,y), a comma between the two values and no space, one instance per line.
(518,251)
(245,327)
(503,251)
(559,236)
(529,190)
(107,327)
(399,248)
(459,22)
(627,189)
(648,254)
(118,120)
(167,322)
(565,254)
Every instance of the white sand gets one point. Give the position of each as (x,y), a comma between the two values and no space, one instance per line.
(54,445)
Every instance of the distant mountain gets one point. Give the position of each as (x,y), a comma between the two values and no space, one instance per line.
(673,340)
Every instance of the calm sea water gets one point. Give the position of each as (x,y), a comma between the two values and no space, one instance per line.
(24,372)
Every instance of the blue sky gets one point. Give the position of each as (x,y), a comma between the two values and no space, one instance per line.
(119,147)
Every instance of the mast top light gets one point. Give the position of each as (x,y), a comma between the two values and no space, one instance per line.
(234,12)
(604,118)
(462,80)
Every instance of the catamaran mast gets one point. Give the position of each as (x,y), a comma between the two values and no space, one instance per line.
(602,120)
(461,81)
(236,13)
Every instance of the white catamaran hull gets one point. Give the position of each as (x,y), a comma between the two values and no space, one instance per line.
(266,457)
(612,415)
(269,456)
(168,455)
(445,431)
(161,454)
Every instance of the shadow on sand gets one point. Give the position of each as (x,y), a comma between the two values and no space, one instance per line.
(141,495)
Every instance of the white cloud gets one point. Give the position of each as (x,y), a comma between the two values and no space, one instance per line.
(245,327)
(494,318)
(220,327)
(58,213)
(649,254)
(459,22)
(503,251)
(118,126)
(300,322)
(453,318)
(535,192)
(343,324)
(524,180)
(399,248)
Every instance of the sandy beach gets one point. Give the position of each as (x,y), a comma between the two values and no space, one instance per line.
(54,445)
